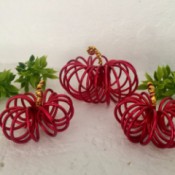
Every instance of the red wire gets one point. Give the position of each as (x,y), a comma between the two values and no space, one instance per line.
(21,119)
(142,123)
(93,83)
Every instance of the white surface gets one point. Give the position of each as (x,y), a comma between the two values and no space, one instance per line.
(140,31)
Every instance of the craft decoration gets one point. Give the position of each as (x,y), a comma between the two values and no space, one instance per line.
(26,115)
(163,80)
(142,123)
(7,88)
(97,79)
(30,72)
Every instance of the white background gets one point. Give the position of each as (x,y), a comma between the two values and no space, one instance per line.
(139,31)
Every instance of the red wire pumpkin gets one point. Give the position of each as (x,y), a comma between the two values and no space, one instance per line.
(26,114)
(99,80)
(141,121)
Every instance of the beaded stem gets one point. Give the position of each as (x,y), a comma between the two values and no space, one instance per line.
(151,90)
(94,51)
(39,93)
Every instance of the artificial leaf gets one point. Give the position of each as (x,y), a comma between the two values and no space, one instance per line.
(32,58)
(142,86)
(169,93)
(159,73)
(155,75)
(164,81)
(148,77)
(32,71)
(43,61)
(168,69)
(6,87)
(165,72)
(33,81)
(52,76)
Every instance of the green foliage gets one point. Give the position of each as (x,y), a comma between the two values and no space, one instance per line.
(32,71)
(163,80)
(6,88)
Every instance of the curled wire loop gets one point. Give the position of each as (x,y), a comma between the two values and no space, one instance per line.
(22,119)
(142,123)
(93,83)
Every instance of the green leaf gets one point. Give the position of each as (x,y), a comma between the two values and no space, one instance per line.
(13,89)
(168,81)
(26,87)
(37,64)
(33,81)
(20,79)
(23,84)
(3,76)
(50,71)
(142,86)
(155,75)
(161,86)
(6,88)
(163,80)
(43,61)
(169,93)
(51,76)
(165,73)
(32,71)
(10,77)
(168,69)
(148,77)
(159,73)
(3,93)
(32,58)
(22,65)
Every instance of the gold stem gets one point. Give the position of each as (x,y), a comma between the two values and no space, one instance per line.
(94,51)
(151,90)
(39,93)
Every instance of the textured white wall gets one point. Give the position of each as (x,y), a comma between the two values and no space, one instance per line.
(141,31)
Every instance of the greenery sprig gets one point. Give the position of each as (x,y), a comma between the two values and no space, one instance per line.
(6,87)
(164,81)
(32,71)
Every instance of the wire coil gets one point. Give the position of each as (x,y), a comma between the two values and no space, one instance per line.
(97,80)
(23,117)
(141,122)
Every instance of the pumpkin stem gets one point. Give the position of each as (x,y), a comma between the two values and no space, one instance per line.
(151,90)
(39,93)
(94,51)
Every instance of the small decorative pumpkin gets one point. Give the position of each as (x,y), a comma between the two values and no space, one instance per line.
(26,114)
(98,80)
